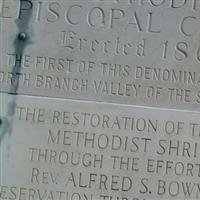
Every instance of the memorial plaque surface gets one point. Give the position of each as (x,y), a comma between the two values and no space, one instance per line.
(100,99)
(143,52)
(88,150)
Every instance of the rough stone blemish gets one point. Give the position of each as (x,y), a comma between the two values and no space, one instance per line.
(23,36)
(4,127)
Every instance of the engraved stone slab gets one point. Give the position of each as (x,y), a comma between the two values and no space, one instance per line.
(88,150)
(141,52)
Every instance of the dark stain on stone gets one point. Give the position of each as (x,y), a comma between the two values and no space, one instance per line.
(21,41)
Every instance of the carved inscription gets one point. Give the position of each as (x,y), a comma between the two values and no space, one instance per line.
(142,52)
(94,151)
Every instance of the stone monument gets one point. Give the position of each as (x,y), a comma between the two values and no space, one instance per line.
(100,99)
